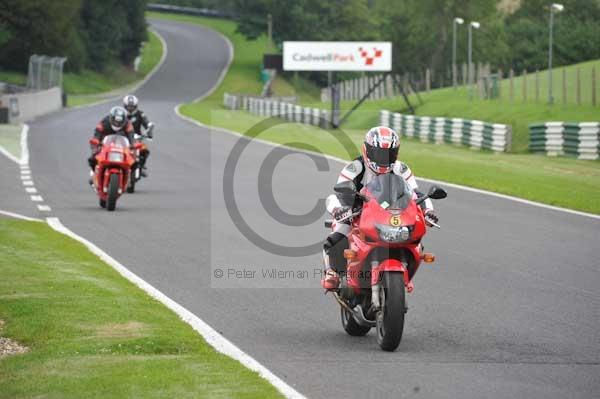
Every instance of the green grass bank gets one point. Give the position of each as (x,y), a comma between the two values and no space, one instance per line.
(93,334)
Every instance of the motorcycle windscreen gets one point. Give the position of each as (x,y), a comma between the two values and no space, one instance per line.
(116,140)
(390,191)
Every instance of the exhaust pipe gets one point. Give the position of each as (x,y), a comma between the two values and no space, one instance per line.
(360,318)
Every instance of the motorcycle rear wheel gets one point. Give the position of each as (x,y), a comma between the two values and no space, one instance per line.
(131,184)
(102,203)
(350,325)
(113,192)
(390,320)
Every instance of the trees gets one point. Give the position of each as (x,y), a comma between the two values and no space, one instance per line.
(421,30)
(576,34)
(37,26)
(92,34)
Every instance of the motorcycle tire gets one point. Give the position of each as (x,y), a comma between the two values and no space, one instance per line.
(350,325)
(390,319)
(131,184)
(102,203)
(113,192)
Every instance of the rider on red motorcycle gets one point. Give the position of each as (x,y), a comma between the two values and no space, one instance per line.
(115,122)
(379,156)
(138,119)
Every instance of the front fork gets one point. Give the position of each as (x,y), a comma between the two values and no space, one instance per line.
(375,288)
(377,268)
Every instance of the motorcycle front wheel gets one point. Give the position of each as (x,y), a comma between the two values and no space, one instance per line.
(113,192)
(390,319)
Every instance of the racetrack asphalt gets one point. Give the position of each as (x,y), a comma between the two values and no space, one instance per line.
(511,308)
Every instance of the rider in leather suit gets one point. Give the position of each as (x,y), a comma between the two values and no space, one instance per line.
(379,156)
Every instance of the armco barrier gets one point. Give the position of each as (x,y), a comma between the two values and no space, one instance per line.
(204,12)
(581,140)
(471,133)
(240,101)
(27,105)
(275,107)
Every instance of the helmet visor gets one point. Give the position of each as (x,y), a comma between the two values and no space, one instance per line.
(381,156)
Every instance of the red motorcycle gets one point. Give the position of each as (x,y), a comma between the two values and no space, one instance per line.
(383,256)
(136,171)
(113,169)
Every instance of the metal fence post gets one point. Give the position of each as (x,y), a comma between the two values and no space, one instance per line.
(564,85)
(593,85)
(578,88)
(524,85)
(511,89)
(537,85)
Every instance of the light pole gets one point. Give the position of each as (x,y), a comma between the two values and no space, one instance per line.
(554,8)
(456,21)
(476,25)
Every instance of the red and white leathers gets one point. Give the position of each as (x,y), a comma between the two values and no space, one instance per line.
(356,170)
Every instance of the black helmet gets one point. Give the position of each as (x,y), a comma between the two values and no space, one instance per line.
(130,102)
(117,118)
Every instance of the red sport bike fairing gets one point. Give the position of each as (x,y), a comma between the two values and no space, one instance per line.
(112,172)
(383,256)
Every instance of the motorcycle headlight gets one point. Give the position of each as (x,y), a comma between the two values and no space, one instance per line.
(393,234)
(115,156)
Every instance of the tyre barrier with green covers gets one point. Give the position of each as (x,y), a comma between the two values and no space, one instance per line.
(471,133)
(578,139)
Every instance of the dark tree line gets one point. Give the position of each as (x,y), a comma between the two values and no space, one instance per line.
(93,34)
(421,30)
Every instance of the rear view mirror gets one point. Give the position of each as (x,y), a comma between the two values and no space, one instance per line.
(94,141)
(345,188)
(436,192)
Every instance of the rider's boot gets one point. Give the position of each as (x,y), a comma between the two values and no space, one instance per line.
(333,259)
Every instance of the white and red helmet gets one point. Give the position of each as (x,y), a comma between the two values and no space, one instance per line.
(380,149)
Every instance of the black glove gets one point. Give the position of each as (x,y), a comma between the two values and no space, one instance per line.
(342,213)
(430,216)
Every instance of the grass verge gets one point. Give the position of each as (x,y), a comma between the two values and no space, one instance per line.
(92,334)
(556,181)
(10,139)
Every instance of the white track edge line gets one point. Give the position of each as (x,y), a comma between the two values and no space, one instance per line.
(19,216)
(9,155)
(433,181)
(138,85)
(24,146)
(212,337)
(24,150)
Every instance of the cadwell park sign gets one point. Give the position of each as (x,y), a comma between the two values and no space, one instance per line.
(337,56)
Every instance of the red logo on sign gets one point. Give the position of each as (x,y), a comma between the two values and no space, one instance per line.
(369,56)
